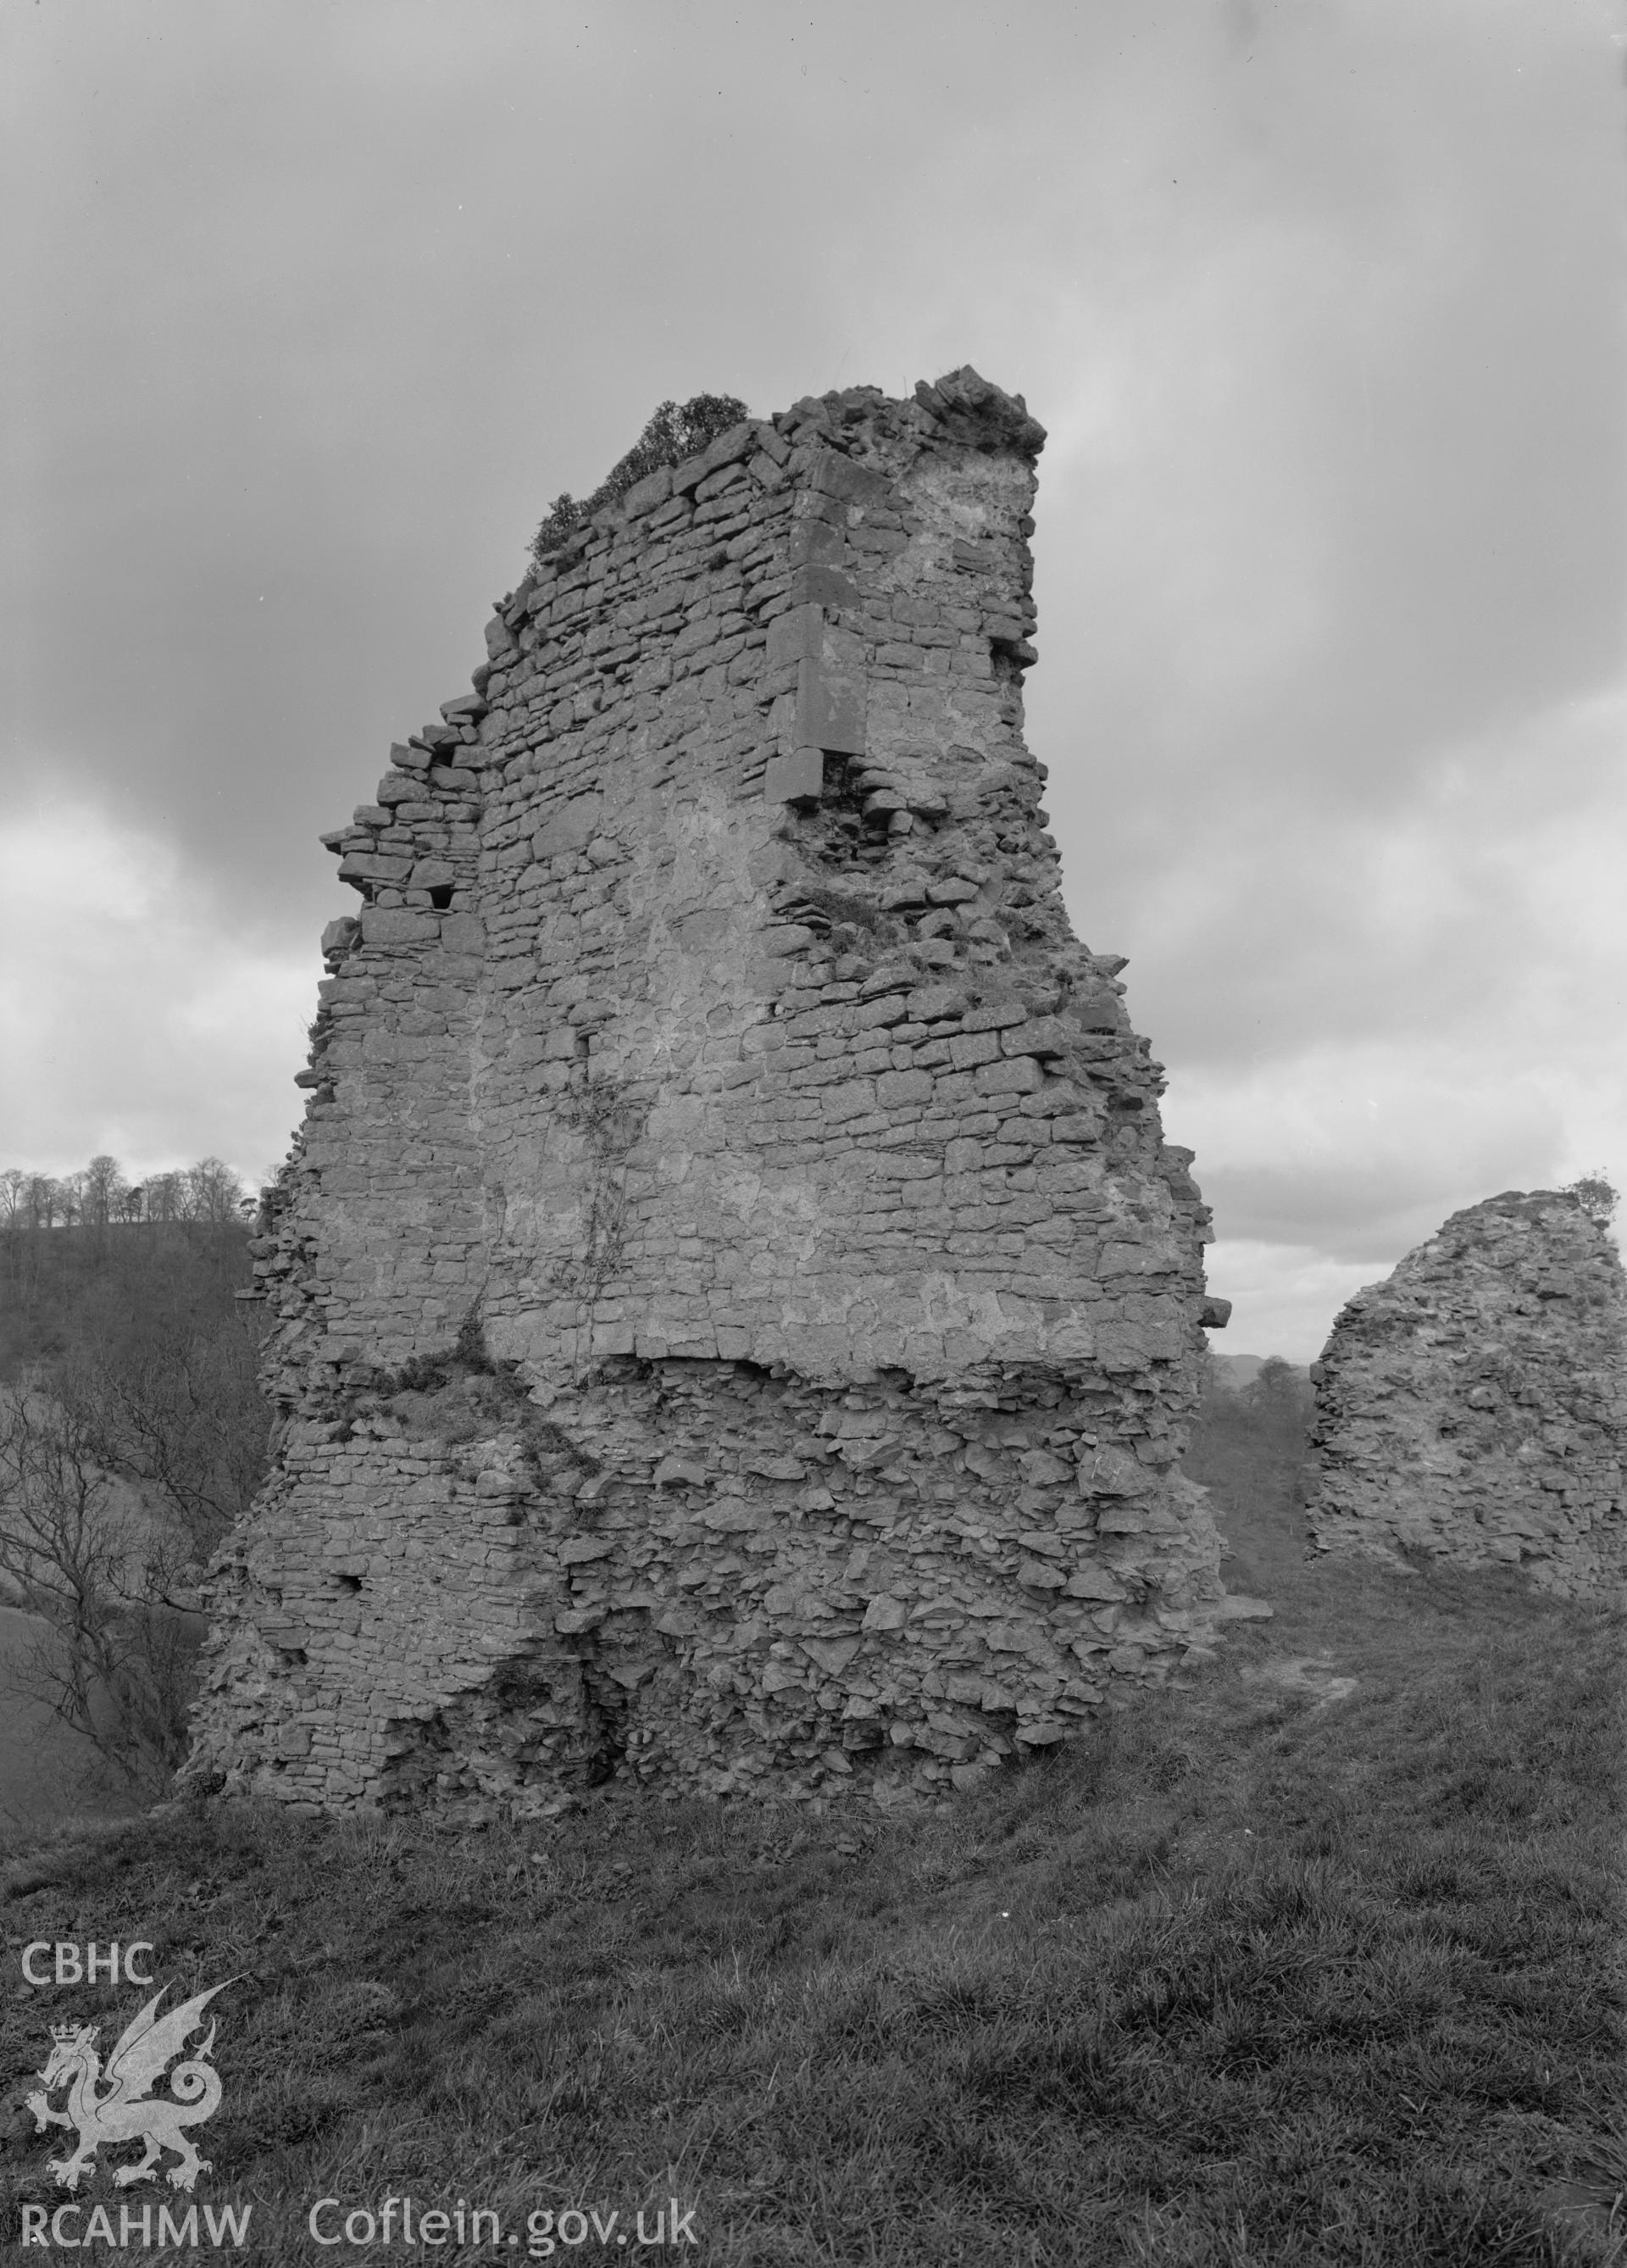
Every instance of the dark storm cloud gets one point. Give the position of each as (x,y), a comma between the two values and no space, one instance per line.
(323,305)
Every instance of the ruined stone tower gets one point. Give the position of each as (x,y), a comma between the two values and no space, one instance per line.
(1474,1405)
(735,1318)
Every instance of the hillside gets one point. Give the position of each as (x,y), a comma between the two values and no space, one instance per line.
(132,1433)
(1314,1957)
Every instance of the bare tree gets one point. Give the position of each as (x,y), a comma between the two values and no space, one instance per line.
(107,1660)
(134,1436)
(183,1417)
(45,1200)
(101,1190)
(213,1193)
(163,1193)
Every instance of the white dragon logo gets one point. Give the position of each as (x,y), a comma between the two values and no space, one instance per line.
(128,2112)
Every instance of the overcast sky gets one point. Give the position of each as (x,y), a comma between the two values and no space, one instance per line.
(314,306)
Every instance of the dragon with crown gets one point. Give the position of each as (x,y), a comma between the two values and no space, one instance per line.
(128,2111)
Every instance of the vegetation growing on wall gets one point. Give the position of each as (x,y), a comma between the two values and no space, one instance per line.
(1596,1196)
(609,1116)
(676,430)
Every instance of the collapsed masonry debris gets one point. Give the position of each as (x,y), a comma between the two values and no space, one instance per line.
(735,1316)
(1474,1406)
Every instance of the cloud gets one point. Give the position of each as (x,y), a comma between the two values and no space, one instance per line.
(1284,1297)
(1415,1010)
(140,1019)
(321,307)
(1476,902)
(1363,1151)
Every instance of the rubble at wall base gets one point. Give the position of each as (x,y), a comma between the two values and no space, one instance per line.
(710,1578)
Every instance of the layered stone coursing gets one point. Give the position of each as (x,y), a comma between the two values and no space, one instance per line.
(1474,1405)
(735,1318)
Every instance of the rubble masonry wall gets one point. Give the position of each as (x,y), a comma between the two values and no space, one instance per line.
(734,1318)
(1474,1405)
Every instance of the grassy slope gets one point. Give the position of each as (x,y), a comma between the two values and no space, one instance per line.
(45,1769)
(1253,1977)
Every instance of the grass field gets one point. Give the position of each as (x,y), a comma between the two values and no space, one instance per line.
(1316,1958)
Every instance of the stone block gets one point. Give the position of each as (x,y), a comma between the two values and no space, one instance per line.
(816,543)
(463,932)
(1124,1516)
(967,1049)
(830,1654)
(848,482)
(378,866)
(1040,1036)
(795,776)
(768,1467)
(1012,1075)
(644,495)
(994,1016)
(823,585)
(832,695)
(569,827)
(1093,1583)
(391,928)
(1112,1471)
(1043,1469)
(729,447)
(796,635)
(678,1471)
(578,1551)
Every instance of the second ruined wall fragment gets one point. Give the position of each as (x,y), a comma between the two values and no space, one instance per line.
(1473,1407)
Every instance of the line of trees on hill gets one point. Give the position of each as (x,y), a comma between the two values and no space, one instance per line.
(100,1194)
(132,1435)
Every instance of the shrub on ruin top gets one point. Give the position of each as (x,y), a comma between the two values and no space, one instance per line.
(1595,1195)
(675,432)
